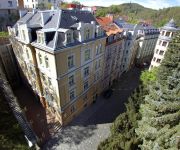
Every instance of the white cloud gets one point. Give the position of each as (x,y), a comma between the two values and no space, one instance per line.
(155,4)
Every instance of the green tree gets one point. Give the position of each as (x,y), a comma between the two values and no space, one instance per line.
(149,77)
(159,126)
(76,2)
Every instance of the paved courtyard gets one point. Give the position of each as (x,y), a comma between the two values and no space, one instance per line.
(92,125)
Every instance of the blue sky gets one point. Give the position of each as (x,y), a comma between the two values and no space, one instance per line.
(155,4)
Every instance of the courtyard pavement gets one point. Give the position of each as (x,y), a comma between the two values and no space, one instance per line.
(93,125)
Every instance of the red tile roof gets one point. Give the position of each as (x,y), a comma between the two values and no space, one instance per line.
(108,25)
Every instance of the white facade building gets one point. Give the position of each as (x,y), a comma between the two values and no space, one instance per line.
(148,36)
(129,50)
(36,3)
(7,6)
(166,34)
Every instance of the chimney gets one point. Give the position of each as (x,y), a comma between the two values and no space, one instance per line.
(34,11)
(22,13)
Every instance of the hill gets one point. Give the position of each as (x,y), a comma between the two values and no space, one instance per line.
(134,13)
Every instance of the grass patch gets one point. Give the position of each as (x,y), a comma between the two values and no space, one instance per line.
(4,34)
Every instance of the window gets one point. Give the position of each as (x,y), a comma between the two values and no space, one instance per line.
(40,38)
(86,85)
(160,42)
(68,38)
(10,4)
(70,61)
(158,60)
(164,44)
(46,61)
(87,55)
(40,59)
(43,77)
(168,34)
(87,36)
(163,32)
(27,54)
(154,59)
(161,52)
(157,51)
(86,71)
(97,50)
(49,82)
(73,109)
(72,95)
(71,80)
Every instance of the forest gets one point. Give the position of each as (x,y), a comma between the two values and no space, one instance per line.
(134,13)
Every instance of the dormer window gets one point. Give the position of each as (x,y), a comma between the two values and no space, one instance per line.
(87,34)
(40,38)
(68,37)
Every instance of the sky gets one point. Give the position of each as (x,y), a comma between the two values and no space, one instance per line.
(154,4)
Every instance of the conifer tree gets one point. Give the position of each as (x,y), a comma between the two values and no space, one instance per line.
(160,112)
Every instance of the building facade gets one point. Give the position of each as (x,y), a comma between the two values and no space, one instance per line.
(61,55)
(130,44)
(42,4)
(113,50)
(166,34)
(147,38)
(8,13)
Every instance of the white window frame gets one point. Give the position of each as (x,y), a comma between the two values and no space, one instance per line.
(46,61)
(86,88)
(84,71)
(72,98)
(73,60)
(86,59)
(68,38)
(71,82)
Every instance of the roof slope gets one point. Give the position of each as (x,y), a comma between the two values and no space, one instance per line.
(108,25)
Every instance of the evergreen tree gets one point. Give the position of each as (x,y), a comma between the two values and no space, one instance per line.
(160,112)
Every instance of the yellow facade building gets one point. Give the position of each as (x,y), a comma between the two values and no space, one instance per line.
(61,56)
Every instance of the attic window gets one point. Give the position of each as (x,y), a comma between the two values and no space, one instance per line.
(68,37)
(40,38)
(87,34)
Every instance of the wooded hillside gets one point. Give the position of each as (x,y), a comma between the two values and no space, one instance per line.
(134,13)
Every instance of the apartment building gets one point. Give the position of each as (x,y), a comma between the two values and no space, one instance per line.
(113,50)
(147,38)
(42,4)
(8,13)
(166,34)
(130,44)
(61,55)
